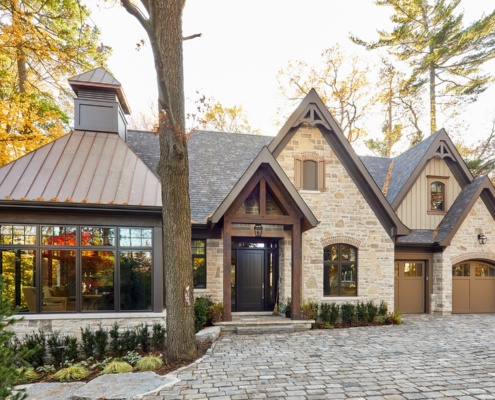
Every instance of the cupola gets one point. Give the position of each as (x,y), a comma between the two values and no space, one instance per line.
(100,103)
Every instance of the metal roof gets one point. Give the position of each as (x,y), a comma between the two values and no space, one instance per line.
(81,167)
(100,78)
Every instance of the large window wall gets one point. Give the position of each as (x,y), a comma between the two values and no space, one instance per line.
(77,268)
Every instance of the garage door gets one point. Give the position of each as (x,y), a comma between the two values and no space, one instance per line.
(473,287)
(410,287)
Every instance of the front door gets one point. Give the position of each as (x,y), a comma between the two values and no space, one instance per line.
(250,280)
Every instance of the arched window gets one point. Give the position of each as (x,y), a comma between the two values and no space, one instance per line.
(309,173)
(340,270)
(437,196)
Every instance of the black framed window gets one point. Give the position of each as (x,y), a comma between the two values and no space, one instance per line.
(57,268)
(199,263)
(340,270)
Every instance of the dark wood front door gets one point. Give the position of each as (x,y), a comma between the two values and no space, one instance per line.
(250,280)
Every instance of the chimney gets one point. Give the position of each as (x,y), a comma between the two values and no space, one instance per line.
(100,104)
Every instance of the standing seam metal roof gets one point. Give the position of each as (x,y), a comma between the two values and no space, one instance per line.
(81,167)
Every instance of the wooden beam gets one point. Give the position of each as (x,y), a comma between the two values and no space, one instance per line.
(227,275)
(262,196)
(263,219)
(296,270)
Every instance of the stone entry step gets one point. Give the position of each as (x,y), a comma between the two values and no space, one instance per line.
(262,323)
(264,329)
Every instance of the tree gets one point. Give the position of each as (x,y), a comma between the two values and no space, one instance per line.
(162,21)
(8,370)
(41,42)
(481,158)
(212,115)
(443,54)
(401,110)
(341,82)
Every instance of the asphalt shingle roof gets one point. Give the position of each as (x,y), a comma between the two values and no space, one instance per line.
(377,167)
(216,162)
(404,166)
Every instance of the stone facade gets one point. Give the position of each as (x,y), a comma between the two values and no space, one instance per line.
(345,217)
(214,271)
(464,246)
(68,324)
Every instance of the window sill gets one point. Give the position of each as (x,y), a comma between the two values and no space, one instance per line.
(343,298)
(437,212)
(305,191)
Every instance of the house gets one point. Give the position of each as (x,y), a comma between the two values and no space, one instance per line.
(297,215)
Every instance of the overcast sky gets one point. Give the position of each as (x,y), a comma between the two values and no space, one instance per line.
(245,43)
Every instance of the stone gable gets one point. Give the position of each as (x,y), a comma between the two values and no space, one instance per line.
(345,217)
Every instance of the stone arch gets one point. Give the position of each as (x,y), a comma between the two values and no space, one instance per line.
(340,239)
(473,256)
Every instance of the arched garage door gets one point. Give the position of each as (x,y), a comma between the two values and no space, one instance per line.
(473,287)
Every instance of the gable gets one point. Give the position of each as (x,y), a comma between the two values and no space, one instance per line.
(312,112)
(414,208)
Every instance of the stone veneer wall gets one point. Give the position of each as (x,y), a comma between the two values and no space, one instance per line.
(464,246)
(345,217)
(71,324)
(214,271)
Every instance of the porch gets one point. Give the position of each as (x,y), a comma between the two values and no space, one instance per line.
(247,323)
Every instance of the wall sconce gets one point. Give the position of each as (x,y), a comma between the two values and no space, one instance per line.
(258,230)
(482,238)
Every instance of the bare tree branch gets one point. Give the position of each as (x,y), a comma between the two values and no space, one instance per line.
(136,12)
(192,36)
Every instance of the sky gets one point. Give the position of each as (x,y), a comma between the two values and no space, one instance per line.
(245,43)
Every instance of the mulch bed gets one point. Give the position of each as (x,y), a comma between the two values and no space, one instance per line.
(167,368)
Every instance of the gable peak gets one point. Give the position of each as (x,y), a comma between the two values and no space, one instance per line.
(312,115)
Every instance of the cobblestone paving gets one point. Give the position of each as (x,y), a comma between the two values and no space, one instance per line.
(428,357)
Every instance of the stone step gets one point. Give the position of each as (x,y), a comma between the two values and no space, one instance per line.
(264,329)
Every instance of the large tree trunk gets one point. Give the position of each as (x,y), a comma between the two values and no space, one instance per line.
(173,170)
(164,29)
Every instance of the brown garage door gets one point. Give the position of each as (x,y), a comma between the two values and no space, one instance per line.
(410,287)
(473,287)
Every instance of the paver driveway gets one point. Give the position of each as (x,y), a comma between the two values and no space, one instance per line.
(426,357)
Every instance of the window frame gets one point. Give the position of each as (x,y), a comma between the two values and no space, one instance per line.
(79,248)
(340,263)
(299,162)
(444,182)
(199,256)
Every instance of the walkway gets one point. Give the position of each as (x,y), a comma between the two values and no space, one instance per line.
(426,357)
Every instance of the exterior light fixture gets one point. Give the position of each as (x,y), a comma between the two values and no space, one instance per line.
(481,238)
(258,230)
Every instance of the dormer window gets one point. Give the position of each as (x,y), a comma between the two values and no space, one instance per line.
(309,172)
(437,197)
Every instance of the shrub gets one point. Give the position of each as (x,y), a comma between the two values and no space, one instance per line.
(143,337)
(329,313)
(62,348)
(201,307)
(372,310)
(128,340)
(215,312)
(117,367)
(115,344)
(101,342)
(149,363)
(27,375)
(87,342)
(34,348)
(309,309)
(362,311)
(396,318)
(158,336)
(71,373)
(9,372)
(347,313)
(383,309)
